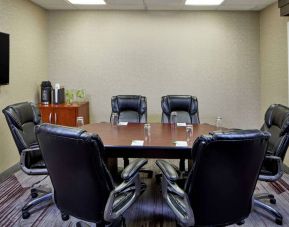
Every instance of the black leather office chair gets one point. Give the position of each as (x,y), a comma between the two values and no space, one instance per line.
(277,124)
(21,119)
(186,107)
(132,109)
(82,184)
(187,110)
(219,188)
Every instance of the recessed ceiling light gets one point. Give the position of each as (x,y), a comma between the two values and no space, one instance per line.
(204,2)
(87,2)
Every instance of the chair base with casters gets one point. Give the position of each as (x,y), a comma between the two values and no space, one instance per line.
(275,213)
(266,196)
(43,198)
(22,119)
(40,194)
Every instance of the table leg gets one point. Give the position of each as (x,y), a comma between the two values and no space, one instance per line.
(190,164)
(111,164)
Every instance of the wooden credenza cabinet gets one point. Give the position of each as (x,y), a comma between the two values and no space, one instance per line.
(64,114)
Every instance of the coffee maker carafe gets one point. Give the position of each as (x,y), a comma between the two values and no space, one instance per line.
(46,89)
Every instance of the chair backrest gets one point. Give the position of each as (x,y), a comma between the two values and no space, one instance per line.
(78,174)
(186,107)
(225,170)
(130,108)
(277,123)
(22,119)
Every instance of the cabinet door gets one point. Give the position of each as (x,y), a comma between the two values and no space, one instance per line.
(65,116)
(46,114)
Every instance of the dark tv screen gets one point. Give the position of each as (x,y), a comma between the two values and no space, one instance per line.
(4,58)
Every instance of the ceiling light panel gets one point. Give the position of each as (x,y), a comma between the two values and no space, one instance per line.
(204,2)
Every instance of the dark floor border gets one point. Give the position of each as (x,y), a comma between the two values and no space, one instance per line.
(8,172)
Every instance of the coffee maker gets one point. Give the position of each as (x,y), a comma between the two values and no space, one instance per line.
(46,89)
(58,94)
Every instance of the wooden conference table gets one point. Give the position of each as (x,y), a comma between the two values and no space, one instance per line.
(117,140)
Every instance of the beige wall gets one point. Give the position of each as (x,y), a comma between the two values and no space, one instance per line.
(27,26)
(273,59)
(212,55)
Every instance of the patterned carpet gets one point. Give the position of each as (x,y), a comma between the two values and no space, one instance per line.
(149,211)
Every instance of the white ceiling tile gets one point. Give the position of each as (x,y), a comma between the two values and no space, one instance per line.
(155,5)
(199,7)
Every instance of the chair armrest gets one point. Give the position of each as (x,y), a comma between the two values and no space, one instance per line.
(133,169)
(176,198)
(129,190)
(168,170)
(171,176)
(279,173)
(23,157)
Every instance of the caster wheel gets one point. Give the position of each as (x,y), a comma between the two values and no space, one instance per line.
(25,215)
(273,201)
(271,196)
(64,217)
(279,221)
(34,195)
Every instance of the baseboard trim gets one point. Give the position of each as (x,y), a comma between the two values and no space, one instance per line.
(286,169)
(8,172)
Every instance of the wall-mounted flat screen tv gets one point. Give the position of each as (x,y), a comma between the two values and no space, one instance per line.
(4,58)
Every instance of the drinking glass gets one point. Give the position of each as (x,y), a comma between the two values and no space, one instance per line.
(173,118)
(147,131)
(79,121)
(114,119)
(189,133)
(219,123)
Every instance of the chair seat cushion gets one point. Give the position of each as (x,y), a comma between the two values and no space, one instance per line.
(129,116)
(266,172)
(269,167)
(38,164)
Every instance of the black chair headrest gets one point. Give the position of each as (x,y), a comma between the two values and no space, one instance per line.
(22,113)
(62,131)
(186,103)
(135,103)
(238,134)
(278,115)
